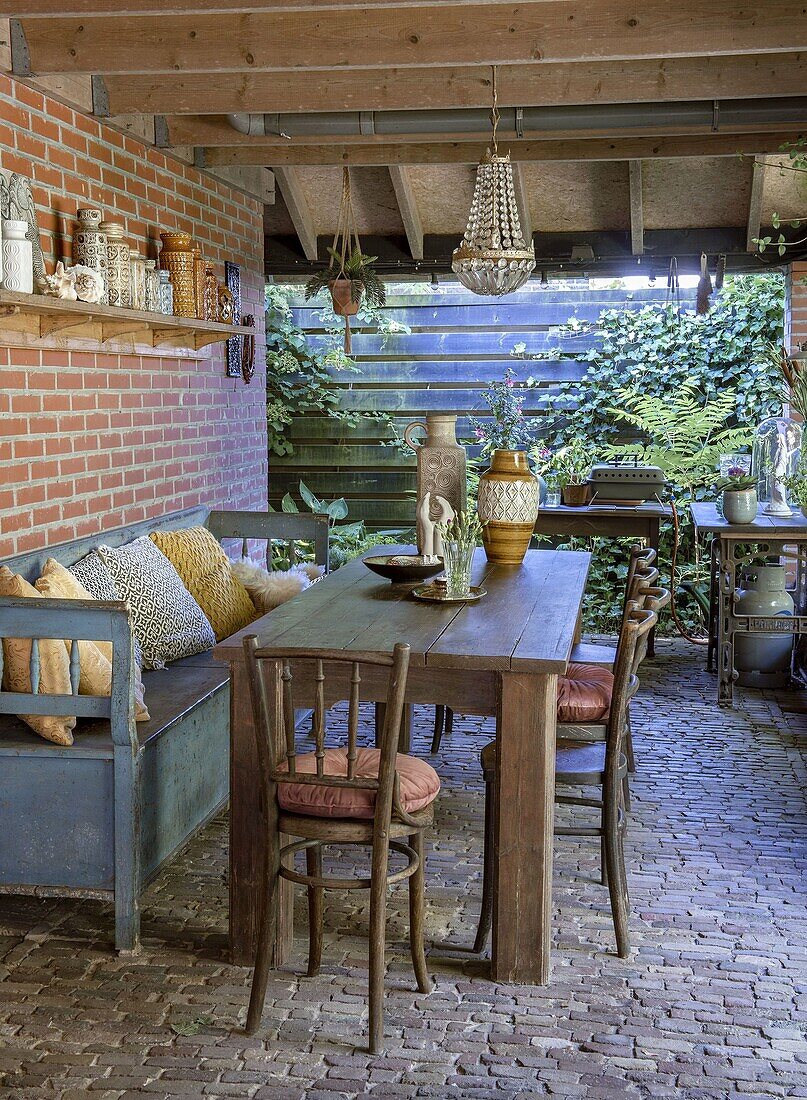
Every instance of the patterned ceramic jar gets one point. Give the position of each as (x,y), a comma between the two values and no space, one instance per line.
(137,278)
(441,463)
(508,506)
(117,265)
(211,294)
(152,293)
(165,292)
(18,258)
(177,258)
(90,244)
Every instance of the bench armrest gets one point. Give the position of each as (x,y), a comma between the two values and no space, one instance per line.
(274,526)
(74,621)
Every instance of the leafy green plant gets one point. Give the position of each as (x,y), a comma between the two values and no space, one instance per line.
(358,269)
(572,464)
(300,376)
(683,434)
(736,481)
(797,152)
(796,485)
(346,540)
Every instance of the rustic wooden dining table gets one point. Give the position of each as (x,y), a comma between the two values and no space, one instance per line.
(499,657)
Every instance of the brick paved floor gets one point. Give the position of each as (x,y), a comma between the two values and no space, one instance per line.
(706,1007)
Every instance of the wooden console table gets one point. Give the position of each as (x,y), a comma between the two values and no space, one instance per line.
(606,521)
(768,535)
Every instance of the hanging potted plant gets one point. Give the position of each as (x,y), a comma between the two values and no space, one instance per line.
(350,275)
(507,501)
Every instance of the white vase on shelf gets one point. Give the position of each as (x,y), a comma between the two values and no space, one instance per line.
(18,258)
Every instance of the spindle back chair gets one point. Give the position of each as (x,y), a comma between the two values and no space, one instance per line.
(279,680)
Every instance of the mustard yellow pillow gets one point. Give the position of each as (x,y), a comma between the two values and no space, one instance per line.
(95,658)
(54,667)
(205,571)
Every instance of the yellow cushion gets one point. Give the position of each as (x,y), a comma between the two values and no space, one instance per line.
(95,658)
(205,571)
(54,667)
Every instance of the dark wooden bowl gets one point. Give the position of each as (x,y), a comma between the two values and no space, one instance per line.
(412,569)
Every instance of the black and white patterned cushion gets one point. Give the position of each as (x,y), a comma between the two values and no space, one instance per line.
(96,578)
(166,619)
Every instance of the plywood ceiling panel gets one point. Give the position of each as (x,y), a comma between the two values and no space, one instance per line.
(701,191)
(785,191)
(578,196)
(443,193)
(374,202)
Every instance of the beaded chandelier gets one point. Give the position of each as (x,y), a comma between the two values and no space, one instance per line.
(494,258)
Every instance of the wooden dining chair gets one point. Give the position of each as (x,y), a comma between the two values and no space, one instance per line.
(600,764)
(339,796)
(641,574)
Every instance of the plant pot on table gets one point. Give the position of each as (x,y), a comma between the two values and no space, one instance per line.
(574,496)
(739,505)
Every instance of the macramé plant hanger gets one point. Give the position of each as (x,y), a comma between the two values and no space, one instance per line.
(350,274)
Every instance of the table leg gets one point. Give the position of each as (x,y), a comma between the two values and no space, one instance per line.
(525,808)
(727,573)
(251,828)
(711,648)
(405,738)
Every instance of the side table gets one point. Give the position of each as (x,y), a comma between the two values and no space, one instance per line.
(606,521)
(769,535)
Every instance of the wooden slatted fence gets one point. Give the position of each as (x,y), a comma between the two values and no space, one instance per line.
(457,345)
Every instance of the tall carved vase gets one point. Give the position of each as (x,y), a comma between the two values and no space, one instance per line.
(177,258)
(508,506)
(441,463)
(90,245)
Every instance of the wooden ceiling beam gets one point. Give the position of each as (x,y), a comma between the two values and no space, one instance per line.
(641,148)
(636,209)
(482,33)
(88,9)
(288,181)
(407,204)
(644,81)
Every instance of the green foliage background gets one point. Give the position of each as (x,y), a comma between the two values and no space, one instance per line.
(704,382)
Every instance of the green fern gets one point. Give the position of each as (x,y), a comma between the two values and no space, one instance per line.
(685,435)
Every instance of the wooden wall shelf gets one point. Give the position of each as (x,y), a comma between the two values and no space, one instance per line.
(41,316)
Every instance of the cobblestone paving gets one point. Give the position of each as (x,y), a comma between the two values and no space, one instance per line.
(708,1005)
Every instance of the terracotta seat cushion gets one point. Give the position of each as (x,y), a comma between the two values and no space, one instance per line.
(584,693)
(420,785)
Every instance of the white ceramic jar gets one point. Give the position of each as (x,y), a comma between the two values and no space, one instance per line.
(18,258)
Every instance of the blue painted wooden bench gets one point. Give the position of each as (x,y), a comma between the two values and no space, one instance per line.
(99,819)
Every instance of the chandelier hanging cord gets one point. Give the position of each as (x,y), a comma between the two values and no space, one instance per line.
(495,116)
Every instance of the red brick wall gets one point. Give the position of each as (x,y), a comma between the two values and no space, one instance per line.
(796,307)
(89,441)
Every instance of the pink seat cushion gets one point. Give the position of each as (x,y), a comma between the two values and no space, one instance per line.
(584,693)
(420,785)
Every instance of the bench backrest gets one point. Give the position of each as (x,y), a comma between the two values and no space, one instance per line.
(277,526)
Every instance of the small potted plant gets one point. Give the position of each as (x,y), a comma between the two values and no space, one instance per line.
(572,466)
(739,495)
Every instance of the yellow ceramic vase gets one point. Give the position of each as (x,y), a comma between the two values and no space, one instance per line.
(508,506)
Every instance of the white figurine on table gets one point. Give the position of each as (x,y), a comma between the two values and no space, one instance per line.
(430,540)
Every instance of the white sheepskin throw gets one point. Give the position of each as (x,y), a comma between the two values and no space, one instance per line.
(270,590)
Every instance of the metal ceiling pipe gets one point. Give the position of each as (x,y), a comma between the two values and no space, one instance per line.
(527,120)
